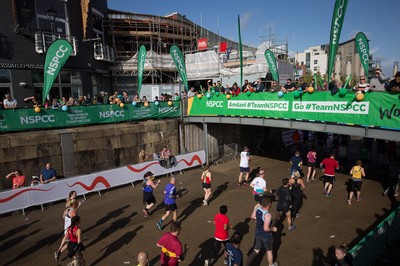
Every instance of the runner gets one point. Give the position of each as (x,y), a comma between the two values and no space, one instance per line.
(296,191)
(233,254)
(171,246)
(311,162)
(148,186)
(221,235)
(328,166)
(74,246)
(357,173)
(206,184)
(169,202)
(259,186)
(283,206)
(244,166)
(263,233)
(295,163)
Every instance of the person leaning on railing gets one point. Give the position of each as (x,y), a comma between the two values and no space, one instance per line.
(394,85)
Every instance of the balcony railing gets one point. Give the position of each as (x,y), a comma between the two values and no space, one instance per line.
(103,52)
(43,40)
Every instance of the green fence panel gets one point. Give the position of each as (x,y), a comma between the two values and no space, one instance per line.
(377,240)
(26,119)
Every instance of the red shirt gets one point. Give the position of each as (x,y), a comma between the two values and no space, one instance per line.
(205,178)
(220,233)
(330,166)
(72,234)
(171,249)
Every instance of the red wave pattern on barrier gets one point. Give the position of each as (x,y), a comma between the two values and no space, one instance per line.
(141,169)
(98,179)
(22,191)
(194,158)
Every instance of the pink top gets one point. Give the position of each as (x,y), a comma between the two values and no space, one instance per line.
(311,156)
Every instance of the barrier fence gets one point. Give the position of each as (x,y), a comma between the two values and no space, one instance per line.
(28,118)
(367,250)
(25,197)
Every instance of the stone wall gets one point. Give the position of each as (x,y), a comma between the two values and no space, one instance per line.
(90,149)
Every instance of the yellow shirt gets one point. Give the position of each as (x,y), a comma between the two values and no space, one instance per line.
(356,172)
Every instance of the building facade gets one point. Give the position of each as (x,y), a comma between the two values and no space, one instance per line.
(347,60)
(27,28)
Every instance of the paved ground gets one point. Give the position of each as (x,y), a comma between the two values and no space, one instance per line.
(115,229)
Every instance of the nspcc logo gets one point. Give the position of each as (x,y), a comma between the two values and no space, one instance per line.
(217,104)
(109,114)
(35,119)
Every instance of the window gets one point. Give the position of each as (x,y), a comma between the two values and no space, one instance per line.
(5,76)
(317,53)
(315,62)
(315,68)
(61,24)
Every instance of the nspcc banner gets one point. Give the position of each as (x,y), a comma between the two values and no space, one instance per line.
(336,28)
(27,118)
(271,60)
(363,51)
(57,54)
(140,66)
(377,109)
(179,64)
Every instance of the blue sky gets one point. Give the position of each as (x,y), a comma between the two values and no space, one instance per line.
(303,23)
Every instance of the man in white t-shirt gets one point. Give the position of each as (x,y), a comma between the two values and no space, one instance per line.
(244,166)
(259,186)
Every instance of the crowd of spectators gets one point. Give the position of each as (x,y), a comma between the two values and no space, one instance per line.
(378,81)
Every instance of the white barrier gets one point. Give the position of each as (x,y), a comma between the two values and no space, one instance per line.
(22,198)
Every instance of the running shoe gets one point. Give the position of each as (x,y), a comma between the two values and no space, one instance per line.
(359,199)
(159,226)
(328,195)
(225,261)
(324,192)
(205,203)
(145,213)
(275,263)
(349,202)
(292,227)
(57,255)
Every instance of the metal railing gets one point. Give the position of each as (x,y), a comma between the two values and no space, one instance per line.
(103,52)
(367,250)
(43,40)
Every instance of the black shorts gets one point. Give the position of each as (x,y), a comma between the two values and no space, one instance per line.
(148,198)
(261,242)
(206,185)
(311,164)
(329,179)
(283,208)
(258,197)
(73,248)
(170,207)
(356,185)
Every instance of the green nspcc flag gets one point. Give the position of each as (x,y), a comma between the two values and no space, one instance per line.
(57,54)
(177,56)
(271,60)
(363,51)
(140,66)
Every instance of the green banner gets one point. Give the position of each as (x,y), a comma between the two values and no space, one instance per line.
(376,109)
(140,66)
(271,60)
(336,28)
(363,51)
(240,53)
(179,64)
(27,119)
(56,56)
